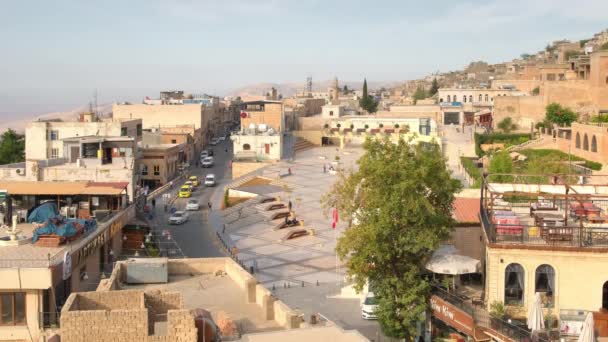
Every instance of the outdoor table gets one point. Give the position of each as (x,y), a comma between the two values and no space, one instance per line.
(552,219)
(542,206)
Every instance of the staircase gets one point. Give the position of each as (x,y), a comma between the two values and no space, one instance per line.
(302,145)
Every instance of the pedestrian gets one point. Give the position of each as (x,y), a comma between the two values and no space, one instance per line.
(289,171)
(289,205)
(166,207)
(209,205)
(224,229)
(153,203)
(324,168)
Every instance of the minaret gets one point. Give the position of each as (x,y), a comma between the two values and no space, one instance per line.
(334,92)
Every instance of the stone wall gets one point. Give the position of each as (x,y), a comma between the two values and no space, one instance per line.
(312,136)
(240,169)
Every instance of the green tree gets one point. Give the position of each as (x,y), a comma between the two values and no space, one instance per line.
(434,87)
(604,46)
(507,125)
(500,163)
(562,116)
(399,204)
(536,91)
(12,147)
(367,102)
(345,89)
(420,94)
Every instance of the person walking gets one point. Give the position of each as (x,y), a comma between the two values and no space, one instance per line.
(209,205)
(324,168)
(289,205)
(153,203)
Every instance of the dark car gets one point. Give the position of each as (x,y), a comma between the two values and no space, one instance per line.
(210,151)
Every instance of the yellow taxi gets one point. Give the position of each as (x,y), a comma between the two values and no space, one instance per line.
(194,180)
(184,191)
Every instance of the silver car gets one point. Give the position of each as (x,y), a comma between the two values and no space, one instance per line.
(178,217)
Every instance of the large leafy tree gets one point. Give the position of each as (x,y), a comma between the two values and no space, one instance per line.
(367,102)
(12,147)
(399,204)
(562,116)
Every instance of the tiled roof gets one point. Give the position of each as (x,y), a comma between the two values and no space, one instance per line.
(466,210)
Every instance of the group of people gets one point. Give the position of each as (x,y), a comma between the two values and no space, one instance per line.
(325,168)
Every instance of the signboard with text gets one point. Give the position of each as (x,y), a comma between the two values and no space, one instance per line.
(452,316)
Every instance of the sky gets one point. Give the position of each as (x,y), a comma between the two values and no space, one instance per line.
(55,54)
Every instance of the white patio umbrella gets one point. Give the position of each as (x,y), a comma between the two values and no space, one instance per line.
(536,320)
(446,261)
(587,333)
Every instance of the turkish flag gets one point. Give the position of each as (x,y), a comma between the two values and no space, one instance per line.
(243,115)
(334,215)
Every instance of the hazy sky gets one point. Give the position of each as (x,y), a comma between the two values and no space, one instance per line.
(55,53)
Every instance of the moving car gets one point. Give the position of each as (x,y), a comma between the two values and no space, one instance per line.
(190,184)
(369,306)
(192,205)
(207,162)
(222,138)
(194,180)
(184,191)
(210,180)
(209,152)
(215,141)
(178,217)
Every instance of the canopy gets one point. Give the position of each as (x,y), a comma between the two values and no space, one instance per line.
(445,260)
(587,333)
(536,321)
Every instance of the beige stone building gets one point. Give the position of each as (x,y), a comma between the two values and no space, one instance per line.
(268,113)
(160,164)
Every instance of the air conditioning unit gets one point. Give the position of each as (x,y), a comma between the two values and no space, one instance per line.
(262,127)
(20,172)
(252,126)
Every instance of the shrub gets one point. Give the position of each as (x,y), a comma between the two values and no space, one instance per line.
(396,125)
(226,199)
(326,126)
(507,139)
(536,91)
(338,125)
(473,171)
(381,125)
(507,125)
(497,310)
(366,126)
(352,126)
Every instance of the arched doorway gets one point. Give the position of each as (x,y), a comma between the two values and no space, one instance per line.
(246,147)
(605,296)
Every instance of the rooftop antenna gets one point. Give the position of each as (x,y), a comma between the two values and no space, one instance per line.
(95,97)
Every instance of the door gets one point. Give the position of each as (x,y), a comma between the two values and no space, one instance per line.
(74,153)
(267,148)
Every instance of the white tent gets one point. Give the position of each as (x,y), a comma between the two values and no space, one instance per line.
(445,260)
(587,333)
(536,320)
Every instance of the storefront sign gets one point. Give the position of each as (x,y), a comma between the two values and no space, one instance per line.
(452,316)
(67,265)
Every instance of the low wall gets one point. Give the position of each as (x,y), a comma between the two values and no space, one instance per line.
(240,169)
(285,316)
(312,136)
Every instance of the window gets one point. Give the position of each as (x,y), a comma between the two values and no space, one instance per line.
(578,140)
(156,170)
(12,308)
(123,131)
(585,143)
(514,284)
(545,283)
(440,100)
(480,97)
(593,144)
(173,141)
(455,98)
(54,153)
(53,135)
(486,97)
(144,170)
(331,113)
(139,130)
(449,98)
(246,147)
(470,98)
(464,98)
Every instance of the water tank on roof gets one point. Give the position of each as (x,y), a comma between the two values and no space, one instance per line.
(262,127)
(252,126)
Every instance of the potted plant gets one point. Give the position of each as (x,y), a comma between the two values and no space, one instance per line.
(497,314)
(396,126)
(352,126)
(366,126)
(381,125)
(326,126)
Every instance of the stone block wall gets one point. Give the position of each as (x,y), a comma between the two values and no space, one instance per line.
(127,300)
(102,325)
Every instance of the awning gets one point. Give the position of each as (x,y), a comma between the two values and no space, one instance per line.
(64,188)
(445,260)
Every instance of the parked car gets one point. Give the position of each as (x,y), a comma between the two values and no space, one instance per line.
(222,138)
(215,141)
(184,191)
(207,162)
(192,205)
(209,152)
(204,154)
(369,306)
(210,180)
(178,217)
(194,180)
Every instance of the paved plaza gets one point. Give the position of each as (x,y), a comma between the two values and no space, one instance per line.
(309,259)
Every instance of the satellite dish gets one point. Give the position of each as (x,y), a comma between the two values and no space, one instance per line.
(262,127)
(252,126)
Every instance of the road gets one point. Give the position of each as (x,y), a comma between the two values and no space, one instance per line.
(195,238)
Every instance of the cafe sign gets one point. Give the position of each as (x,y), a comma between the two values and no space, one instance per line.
(452,316)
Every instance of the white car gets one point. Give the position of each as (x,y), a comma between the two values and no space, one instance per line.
(215,141)
(204,154)
(178,217)
(190,184)
(192,205)
(207,162)
(369,306)
(222,138)
(210,180)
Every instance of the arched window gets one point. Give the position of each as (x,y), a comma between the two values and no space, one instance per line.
(470,98)
(487,97)
(440,100)
(246,147)
(455,98)
(586,143)
(480,97)
(578,140)
(449,98)
(605,296)
(593,144)
(464,98)
(545,282)
(514,284)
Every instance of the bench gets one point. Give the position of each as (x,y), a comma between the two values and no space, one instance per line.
(295,234)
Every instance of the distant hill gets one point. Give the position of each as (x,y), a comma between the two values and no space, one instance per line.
(19,125)
(290,89)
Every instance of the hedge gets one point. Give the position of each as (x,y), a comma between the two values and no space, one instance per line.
(473,171)
(562,156)
(507,139)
